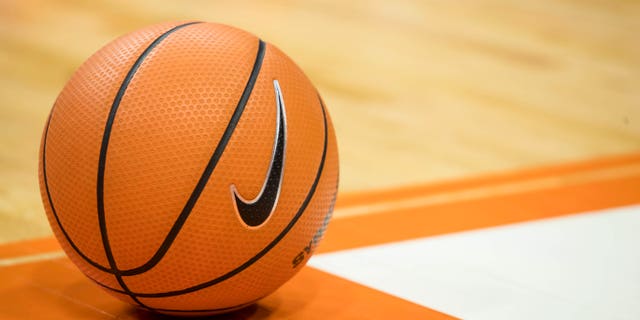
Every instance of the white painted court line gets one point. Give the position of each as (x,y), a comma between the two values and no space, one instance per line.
(31,258)
(584,266)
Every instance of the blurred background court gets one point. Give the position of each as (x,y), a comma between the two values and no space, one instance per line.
(419,91)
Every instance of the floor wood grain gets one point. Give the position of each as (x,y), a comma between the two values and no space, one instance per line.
(419,91)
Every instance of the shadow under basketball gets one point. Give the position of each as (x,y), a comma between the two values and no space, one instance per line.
(253,311)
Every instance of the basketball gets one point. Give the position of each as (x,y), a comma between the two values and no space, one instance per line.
(189,168)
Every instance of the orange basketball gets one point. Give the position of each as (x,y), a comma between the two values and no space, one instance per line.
(189,168)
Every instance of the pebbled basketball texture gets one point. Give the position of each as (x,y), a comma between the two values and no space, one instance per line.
(142,148)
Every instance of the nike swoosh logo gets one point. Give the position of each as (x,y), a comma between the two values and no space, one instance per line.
(257,211)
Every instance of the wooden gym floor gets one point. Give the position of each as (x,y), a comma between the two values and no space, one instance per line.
(421,92)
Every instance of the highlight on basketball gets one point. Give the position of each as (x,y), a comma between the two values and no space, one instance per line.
(319,160)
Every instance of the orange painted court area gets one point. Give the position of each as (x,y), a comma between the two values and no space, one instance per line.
(38,281)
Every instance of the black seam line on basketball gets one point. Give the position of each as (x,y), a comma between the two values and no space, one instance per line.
(204,178)
(263,251)
(66,235)
(178,310)
(103,155)
(105,286)
(53,209)
(272,244)
(201,183)
(266,249)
